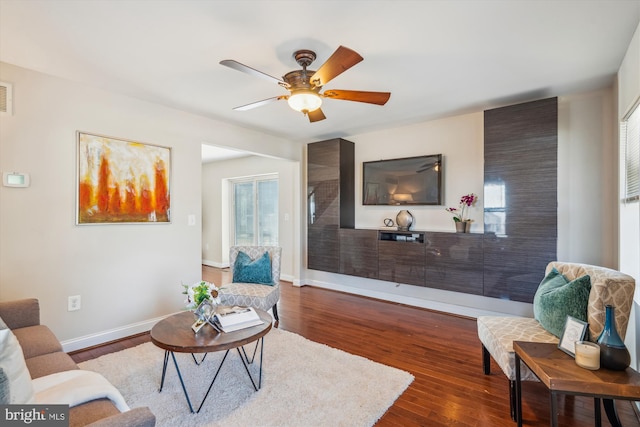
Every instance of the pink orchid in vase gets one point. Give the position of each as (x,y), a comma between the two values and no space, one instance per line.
(465,202)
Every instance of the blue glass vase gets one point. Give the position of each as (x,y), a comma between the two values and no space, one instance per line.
(613,353)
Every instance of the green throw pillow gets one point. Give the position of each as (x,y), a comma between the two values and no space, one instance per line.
(557,298)
(247,271)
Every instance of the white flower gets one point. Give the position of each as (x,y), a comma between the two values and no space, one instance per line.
(198,292)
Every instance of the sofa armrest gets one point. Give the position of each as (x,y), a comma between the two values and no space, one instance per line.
(20,313)
(136,417)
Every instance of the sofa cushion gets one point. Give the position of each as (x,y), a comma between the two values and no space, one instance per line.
(557,298)
(37,340)
(13,364)
(139,417)
(497,334)
(91,412)
(250,295)
(246,270)
(20,313)
(48,364)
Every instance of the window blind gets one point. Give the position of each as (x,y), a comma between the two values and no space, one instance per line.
(630,132)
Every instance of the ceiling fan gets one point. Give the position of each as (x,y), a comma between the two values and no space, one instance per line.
(305,85)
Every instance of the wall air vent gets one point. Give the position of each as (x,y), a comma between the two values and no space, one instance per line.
(6,99)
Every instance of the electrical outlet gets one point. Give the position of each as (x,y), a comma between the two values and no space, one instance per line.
(73,303)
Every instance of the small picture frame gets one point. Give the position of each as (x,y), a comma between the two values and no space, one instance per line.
(197,325)
(574,330)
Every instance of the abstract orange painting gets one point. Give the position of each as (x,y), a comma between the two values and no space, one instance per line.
(122,181)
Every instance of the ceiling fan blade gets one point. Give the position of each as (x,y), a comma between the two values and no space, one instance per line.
(248,70)
(379,98)
(316,115)
(341,60)
(259,103)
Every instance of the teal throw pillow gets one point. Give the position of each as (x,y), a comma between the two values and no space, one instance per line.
(557,298)
(246,270)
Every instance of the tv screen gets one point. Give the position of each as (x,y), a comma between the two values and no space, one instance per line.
(406,181)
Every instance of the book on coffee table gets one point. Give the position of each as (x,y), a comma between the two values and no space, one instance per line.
(236,318)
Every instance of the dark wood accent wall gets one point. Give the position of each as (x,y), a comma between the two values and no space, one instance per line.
(520,197)
(520,215)
(330,200)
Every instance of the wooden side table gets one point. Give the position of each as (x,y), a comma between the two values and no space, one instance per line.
(560,374)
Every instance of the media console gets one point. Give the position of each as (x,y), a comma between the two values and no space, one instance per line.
(450,261)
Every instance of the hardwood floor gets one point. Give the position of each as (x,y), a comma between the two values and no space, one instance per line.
(442,351)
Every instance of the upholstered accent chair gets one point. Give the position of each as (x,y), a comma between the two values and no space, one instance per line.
(262,296)
(497,333)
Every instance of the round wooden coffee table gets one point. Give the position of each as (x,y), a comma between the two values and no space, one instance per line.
(174,335)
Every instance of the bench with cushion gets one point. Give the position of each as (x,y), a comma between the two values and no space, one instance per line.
(497,333)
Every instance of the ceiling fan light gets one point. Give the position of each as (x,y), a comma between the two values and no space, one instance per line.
(305,101)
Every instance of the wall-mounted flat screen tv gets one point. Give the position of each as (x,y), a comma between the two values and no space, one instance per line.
(406,181)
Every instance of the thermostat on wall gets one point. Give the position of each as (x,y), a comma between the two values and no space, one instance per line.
(15,179)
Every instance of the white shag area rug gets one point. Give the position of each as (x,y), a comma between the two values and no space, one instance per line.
(304,383)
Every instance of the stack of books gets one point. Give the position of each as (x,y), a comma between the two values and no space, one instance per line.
(229,319)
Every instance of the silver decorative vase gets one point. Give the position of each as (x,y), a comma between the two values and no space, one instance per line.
(404,219)
(463,226)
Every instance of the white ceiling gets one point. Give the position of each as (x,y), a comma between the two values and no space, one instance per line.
(437,58)
(212,153)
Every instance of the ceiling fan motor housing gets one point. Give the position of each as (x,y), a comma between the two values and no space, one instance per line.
(299,79)
(304,57)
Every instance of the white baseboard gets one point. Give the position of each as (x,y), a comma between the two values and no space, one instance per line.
(214,264)
(287,278)
(110,335)
(407,300)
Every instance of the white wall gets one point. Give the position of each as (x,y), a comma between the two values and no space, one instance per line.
(215,209)
(586,194)
(460,141)
(127,275)
(629,231)
(587,184)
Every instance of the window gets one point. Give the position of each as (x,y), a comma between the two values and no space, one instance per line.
(495,215)
(630,136)
(255,210)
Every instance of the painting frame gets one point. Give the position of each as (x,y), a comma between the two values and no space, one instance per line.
(121,181)
(574,330)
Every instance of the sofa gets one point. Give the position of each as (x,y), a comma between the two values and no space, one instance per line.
(45,360)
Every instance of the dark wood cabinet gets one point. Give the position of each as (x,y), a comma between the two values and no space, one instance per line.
(359,252)
(330,200)
(401,261)
(323,250)
(454,262)
(520,197)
